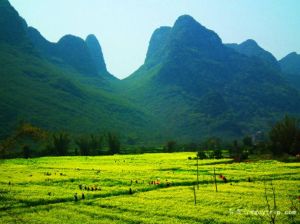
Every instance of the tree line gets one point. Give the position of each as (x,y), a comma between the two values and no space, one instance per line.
(282,139)
(30,141)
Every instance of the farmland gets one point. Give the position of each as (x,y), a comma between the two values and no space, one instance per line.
(148,188)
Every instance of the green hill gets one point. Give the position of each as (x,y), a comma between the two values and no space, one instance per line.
(58,86)
(197,86)
(191,86)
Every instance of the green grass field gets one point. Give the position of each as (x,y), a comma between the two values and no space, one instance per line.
(42,190)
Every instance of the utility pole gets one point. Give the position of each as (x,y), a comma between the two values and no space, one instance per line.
(215,180)
(195,199)
(197,172)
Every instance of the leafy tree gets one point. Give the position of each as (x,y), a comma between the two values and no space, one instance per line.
(213,145)
(217,153)
(201,155)
(285,136)
(113,143)
(262,147)
(95,144)
(84,146)
(235,152)
(61,143)
(25,134)
(89,145)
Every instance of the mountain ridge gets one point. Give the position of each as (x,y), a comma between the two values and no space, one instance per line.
(191,85)
(198,76)
(43,86)
(252,49)
(290,65)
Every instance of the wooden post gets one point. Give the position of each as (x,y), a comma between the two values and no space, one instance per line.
(195,199)
(197,172)
(215,180)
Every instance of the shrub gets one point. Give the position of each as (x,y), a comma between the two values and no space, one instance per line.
(217,154)
(201,155)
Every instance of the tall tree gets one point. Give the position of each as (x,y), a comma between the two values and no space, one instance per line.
(83,145)
(113,143)
(61,143)
(285,136)
(95,143)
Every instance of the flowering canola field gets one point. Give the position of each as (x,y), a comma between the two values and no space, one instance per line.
(147,188)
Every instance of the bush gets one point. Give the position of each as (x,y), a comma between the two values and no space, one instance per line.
(201,155)
(217,154)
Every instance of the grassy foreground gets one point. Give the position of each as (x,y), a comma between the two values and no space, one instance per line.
(42,190)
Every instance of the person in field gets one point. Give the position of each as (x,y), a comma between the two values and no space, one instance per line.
(223,178)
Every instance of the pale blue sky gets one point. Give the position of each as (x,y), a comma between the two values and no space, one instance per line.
(124,27)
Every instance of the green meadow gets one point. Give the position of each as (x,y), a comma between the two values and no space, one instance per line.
(120,189)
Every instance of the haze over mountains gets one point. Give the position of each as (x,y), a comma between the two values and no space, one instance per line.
(191,85)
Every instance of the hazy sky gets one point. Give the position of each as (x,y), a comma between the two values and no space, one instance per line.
(124,27)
